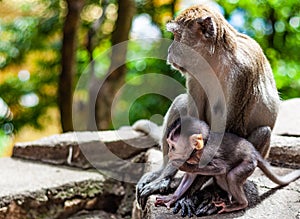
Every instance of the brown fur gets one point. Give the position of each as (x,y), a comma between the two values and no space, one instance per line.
(250,104)
(238,62)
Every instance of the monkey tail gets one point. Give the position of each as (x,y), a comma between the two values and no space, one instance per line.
(149,128)
(280,180)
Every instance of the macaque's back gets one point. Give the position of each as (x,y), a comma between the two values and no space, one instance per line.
(235,149)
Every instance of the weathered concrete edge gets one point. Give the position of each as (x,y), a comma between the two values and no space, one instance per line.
(58,150)
(61,201)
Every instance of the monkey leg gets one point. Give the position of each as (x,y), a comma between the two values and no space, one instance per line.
(261,138)
(222,182)
(236,179)
(210,196)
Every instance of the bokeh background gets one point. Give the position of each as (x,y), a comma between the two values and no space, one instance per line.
(47,45)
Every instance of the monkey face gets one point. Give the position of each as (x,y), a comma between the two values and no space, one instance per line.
(184,149)
(179,149)
(195,30)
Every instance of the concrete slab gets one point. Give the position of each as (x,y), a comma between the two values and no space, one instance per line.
(35,190)
(19,176)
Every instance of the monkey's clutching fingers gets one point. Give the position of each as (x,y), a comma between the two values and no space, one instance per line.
(234,161)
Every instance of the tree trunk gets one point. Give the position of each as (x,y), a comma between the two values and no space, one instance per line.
(117,70)
(94,82)
(68,60)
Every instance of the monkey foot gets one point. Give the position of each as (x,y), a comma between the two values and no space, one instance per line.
(221,204)
(229,208)
(165,201)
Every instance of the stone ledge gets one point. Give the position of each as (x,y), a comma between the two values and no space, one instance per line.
(266,200)
(73,148)
(31,190)
(285,151)
(80,149)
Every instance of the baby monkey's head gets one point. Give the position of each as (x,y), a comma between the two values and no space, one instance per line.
(186,135)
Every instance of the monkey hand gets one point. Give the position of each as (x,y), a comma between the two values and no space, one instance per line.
(186,205)
(144,190)
(199,204)
(165,200)
(189,205)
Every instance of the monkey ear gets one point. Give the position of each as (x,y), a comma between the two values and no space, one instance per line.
(172,26)
(207,26)
(196,141)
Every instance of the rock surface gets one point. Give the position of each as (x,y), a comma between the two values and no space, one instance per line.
(84,149)
(266,200)
(31,190)
(288,120)
(285,151)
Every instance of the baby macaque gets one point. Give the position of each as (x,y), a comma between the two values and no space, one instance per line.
(234,161)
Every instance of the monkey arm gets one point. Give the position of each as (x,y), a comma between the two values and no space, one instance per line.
(210,169)
(185,183)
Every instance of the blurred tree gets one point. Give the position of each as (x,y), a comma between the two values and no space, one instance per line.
(68,62)
(92,42)
(117,70)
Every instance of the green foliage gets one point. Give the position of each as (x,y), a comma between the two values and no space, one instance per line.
(275,25)
(28,100)
(17,38)
(30,37)
(150,104)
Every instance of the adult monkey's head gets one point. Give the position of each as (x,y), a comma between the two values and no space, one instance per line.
(203,30)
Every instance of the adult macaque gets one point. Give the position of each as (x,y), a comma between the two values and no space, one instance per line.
(234,161)
(238,91)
